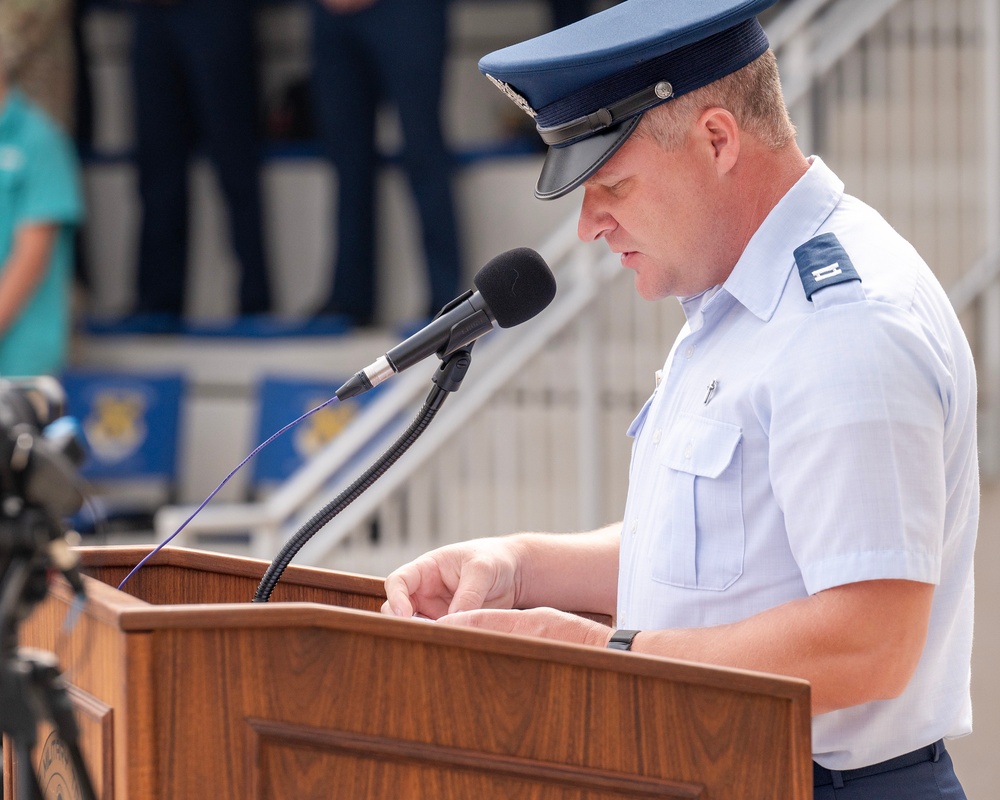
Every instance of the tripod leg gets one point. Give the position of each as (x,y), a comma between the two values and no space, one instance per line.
(27,781)
(51,690)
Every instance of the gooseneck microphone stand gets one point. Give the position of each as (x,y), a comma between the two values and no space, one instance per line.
(447,379)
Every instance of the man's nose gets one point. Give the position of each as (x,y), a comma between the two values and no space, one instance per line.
(594,222)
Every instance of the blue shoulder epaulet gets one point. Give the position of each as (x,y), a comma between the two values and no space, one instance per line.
(822,262)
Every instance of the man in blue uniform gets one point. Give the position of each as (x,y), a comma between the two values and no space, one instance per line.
(803,494)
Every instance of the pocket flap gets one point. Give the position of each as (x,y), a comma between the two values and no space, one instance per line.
(701,446)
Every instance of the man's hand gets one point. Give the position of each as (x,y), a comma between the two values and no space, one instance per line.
(578,571)
(481,574)
(546,623)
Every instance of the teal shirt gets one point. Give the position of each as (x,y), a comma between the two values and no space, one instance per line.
(39,183)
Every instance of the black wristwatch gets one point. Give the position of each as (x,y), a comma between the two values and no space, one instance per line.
(622,640)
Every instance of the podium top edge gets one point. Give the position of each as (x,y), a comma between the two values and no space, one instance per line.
(208,561)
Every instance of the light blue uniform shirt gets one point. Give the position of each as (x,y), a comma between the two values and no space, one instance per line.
(838,444)
(39,183)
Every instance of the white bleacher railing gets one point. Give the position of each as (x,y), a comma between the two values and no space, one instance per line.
(894,94)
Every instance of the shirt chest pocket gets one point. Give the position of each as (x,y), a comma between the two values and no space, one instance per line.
(701,516)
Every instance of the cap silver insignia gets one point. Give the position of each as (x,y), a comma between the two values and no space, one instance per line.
(519,101)
(663,90)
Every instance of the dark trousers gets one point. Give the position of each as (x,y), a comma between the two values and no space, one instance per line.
(194,71)
(926,774)
(393,50)
(566,12)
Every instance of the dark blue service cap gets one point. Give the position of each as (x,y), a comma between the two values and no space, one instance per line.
(587,85)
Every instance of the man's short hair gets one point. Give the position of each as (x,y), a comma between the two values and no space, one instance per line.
(752,95)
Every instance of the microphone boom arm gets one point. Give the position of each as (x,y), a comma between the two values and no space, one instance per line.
(458,324)
(447,379)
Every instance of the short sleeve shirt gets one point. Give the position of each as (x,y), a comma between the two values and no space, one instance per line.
(796,444)
(39,183)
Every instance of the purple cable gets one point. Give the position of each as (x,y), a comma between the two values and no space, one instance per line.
(215,491)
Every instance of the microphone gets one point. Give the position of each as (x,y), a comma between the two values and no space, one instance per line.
(512,288)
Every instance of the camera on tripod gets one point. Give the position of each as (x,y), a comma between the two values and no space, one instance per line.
(39,447)
(39,489)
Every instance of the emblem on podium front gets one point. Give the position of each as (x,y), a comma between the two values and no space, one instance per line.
(56,775)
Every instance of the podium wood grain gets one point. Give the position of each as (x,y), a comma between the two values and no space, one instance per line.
(185,689)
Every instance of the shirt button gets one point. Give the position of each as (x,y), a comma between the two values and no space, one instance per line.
(690,351)
(634,526)
(656,436)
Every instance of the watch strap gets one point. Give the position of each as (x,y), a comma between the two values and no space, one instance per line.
(622,639)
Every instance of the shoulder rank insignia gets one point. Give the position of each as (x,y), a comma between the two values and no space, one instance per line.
(822,262)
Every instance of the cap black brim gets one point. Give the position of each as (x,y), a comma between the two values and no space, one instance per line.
(565,168)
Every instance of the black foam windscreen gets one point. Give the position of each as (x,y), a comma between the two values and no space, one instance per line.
(516,285)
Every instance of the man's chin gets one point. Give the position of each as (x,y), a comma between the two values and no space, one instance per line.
(650,293)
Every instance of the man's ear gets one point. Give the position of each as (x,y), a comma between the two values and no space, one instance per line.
(721,133)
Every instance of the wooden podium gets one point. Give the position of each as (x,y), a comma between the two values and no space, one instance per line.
(187,691)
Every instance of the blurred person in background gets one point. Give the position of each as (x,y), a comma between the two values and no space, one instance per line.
(40,207)
(364,52)
(194,70)
(39,55)
(566,12)
(44,57)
